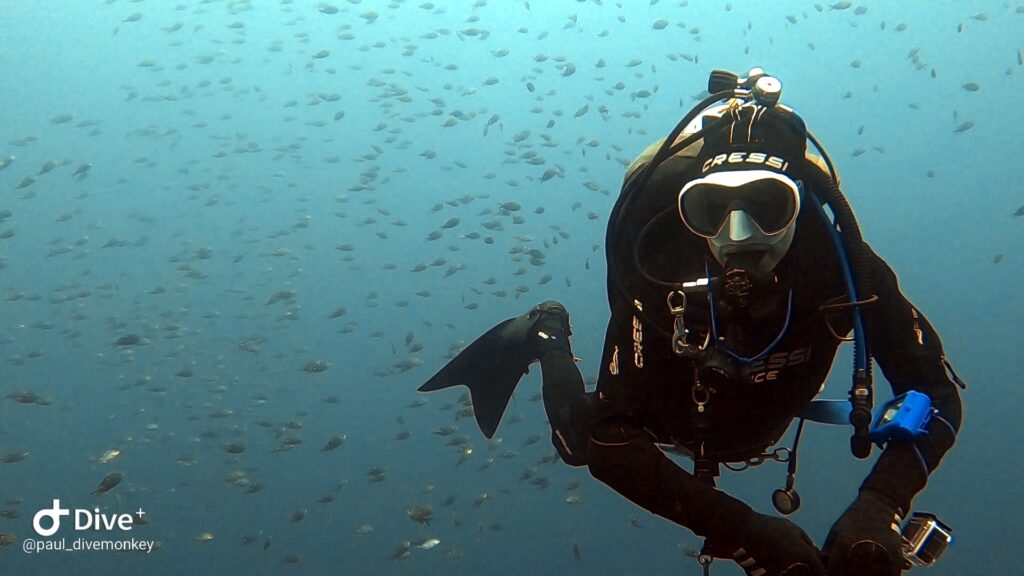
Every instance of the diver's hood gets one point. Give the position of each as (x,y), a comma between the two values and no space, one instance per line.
(751,137)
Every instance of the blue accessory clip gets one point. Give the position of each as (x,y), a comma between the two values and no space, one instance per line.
(902,418)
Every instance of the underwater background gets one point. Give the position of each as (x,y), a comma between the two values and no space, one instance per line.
(236,236)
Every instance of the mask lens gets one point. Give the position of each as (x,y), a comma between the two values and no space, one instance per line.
(771,202)
(704,208)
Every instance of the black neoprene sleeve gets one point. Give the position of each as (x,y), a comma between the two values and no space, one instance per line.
(625,458)
(910,355)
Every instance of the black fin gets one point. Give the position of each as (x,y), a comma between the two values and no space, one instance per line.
(490,367)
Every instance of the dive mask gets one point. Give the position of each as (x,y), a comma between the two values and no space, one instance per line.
(749,213)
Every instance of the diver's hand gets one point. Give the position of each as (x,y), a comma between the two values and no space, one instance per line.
(772,546)
(545,327)
(866,541)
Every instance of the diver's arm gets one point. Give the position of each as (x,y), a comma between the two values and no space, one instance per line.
(910,355)
(546,331)
(565,404)
(570,410)
(625,458)
(622,455)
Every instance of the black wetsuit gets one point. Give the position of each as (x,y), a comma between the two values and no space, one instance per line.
(645,391)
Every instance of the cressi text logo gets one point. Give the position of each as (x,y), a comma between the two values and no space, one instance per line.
(745,157)
(638,343)
(768,369)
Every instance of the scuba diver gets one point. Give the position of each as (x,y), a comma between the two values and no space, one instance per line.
(731,289)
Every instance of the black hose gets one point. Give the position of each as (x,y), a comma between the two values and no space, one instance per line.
(639,181)
(849,230)
(859,262)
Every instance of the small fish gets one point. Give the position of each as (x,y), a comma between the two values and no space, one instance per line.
(127,340)
(6,539)
(82,171)
(333,442)
(235,448)
(420,514)
(427,543)
(204,537)
(47,167)
(401,552)
(964,127)
(109,455)
(316,366)
(446,430)
(108,483)
(576,552)
(26,397)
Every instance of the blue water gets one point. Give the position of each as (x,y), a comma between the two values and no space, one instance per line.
(232,160)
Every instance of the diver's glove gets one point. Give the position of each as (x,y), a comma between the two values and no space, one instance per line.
(771,546)
(545,327)
(866,540)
